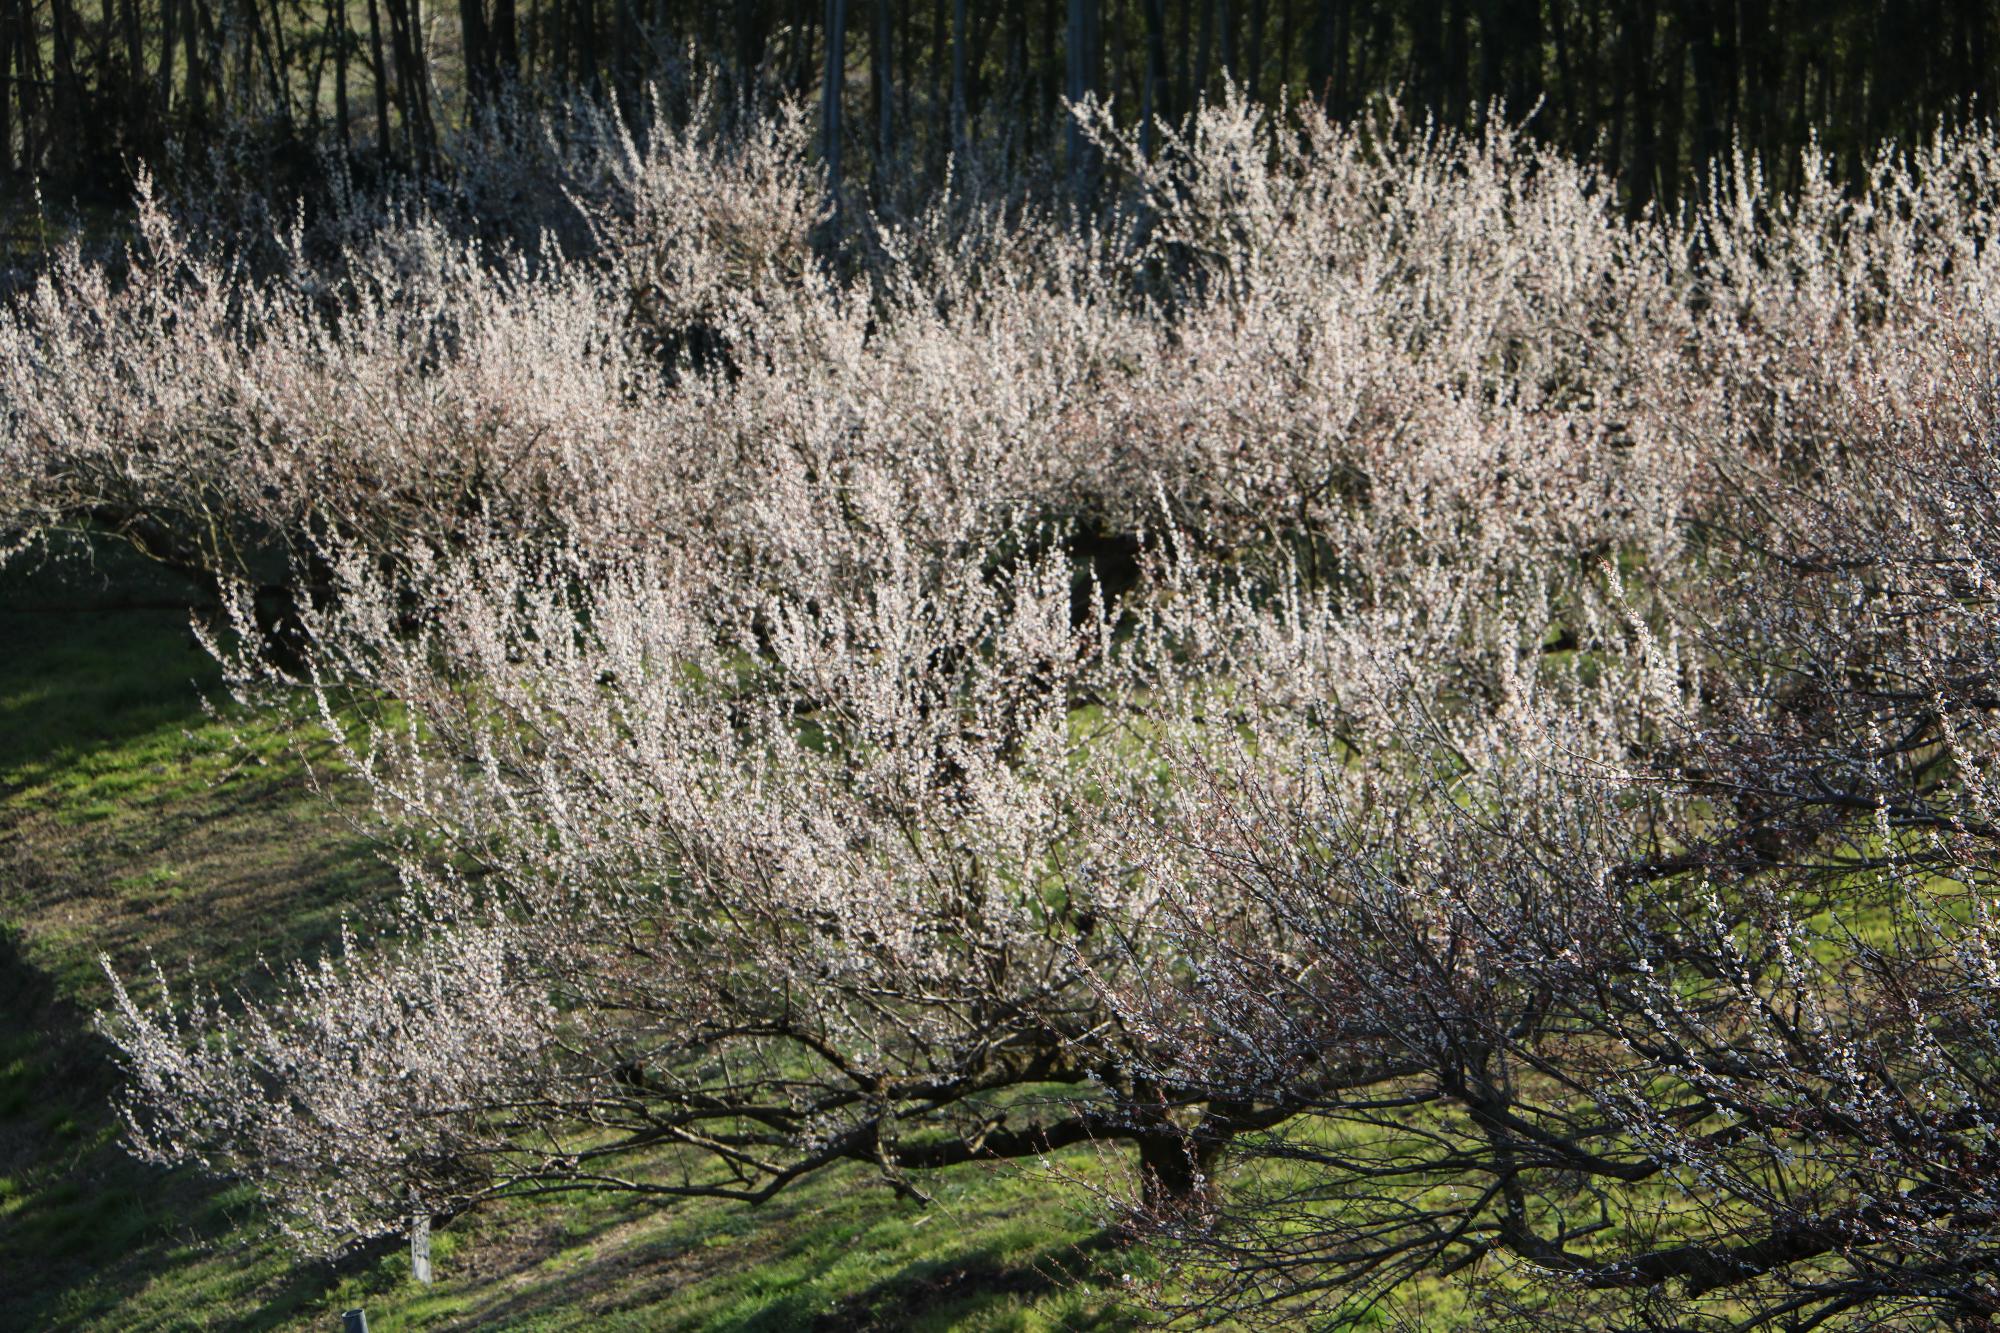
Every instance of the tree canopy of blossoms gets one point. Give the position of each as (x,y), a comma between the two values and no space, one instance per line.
(1456,723)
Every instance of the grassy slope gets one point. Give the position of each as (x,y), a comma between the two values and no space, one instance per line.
(132,823)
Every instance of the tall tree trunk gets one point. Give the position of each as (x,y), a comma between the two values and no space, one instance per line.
(1081,67)
(67,120)
(1116,65)
(277,60)
(409,81)
(1055,58)
(906,42)
(1616,52)
(336,22)
(27,84)
(1156,103)
(1524,83)
(958,92)
(751,37)
(1225,25)
(1253,48)
(1205,49)
(477,49)
(1799,79)
(1427,53)
(421,58)
(557,23)
(629,64)
(1457,63)
(1185,93)
(940,62)
(1370,57)
(1763,73)
(1319,54)
(1673,84)
(381,80)
(1073,76)
(190,37)
(101,62)
(809,64)
(1707,142)
(135,59)
(1287,36)
(504,34)
(590,61)
(1559,34)
(1639,183)
(163,75)
(7,88)
(322,52)
(984,27)
(882,78)
(1980,88)
(1093,49)
(1017,66)
(1492,55)
(830,92)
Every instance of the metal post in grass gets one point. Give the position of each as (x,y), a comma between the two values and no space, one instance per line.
(354,1321)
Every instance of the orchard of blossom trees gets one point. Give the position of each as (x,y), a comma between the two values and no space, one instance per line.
(1453,731)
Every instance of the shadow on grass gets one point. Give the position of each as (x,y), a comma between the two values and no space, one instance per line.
(93,662)
(84,1227)
(934,1291)
(838,1252)
(123,832)
(133,821)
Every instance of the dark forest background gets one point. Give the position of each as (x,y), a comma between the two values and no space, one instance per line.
(1653,89)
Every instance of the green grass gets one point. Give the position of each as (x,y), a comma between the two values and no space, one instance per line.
(135,823)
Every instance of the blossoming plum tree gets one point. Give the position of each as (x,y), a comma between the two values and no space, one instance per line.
(1453,720)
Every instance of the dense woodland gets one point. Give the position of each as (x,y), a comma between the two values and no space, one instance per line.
(1653,89)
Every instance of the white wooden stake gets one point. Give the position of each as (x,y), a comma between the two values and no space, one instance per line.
(420,1246)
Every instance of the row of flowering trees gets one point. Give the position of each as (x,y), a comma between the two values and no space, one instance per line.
(1457,726)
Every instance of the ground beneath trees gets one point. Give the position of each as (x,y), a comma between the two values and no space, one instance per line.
(137,823)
